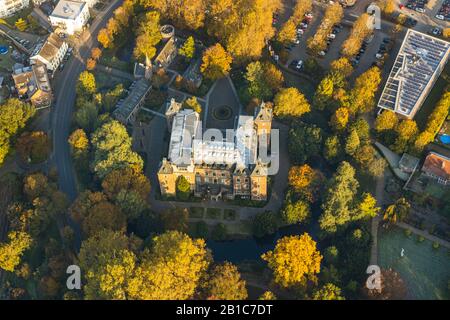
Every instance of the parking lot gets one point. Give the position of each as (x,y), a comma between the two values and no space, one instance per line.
(427,18)
(362,62)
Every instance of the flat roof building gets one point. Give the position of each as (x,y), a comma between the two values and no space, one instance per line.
(418,65)
(70,16)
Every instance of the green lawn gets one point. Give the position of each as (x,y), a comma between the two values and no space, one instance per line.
(425,270)
(196,212)
(213,213)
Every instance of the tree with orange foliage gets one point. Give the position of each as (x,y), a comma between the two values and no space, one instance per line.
(305,181)
(91,64)
(96,53)
(104,38)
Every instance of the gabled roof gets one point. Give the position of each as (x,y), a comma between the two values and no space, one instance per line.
(50,48)
(438,165)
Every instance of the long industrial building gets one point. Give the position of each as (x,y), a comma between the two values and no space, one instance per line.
(418,65)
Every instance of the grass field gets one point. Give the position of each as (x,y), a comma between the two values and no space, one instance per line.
(425,270)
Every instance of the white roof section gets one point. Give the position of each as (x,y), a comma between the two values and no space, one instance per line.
(185,127)
(67,9)
(418,64)
(187,146)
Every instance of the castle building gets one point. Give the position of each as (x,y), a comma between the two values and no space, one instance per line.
(216,167)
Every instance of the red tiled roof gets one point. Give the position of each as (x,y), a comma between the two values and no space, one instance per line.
(437,165)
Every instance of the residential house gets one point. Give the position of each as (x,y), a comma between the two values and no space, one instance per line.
(50,53)
(70,16)
(437,167)
(32,84)
(9,7)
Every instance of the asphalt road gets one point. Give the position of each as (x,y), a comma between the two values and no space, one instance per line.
(65,100)
(63,108)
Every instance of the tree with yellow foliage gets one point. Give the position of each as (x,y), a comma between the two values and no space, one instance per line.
(288,32)
(149,35)
(294,260)
(107,261)
(78,142)
(12,251)
(387,120)
(362,95)
(104,38)
(290,102)
(305,181)
(183,14)
(224,283)
(360,30)
(339,119)
(216,62)
(171,269)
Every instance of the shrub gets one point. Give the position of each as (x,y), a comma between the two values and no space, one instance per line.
(408,232)
(219,232)
(420,239)
(436,245)
(264,223)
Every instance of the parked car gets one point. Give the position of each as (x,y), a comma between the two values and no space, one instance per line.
(299,65)
(331,36)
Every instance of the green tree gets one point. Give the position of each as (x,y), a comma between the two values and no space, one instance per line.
(340,192)
(183,188)
(332,149)
(296,212)
(112,149)
(264,223)
(324,93)
(305,141)
(128,189)
(107,261)
(397,211)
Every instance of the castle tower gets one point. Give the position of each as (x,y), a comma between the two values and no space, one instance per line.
(167,178)
(258,179)
(263,121)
